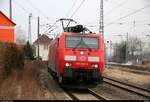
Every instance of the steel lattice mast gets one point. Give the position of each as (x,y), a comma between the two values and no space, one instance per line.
(101,27)
(101,30)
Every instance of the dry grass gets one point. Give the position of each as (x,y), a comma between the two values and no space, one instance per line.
(1,63)
(24,85)
(11,58)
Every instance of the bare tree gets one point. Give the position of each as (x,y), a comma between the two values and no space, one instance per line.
(20,35)
(130,51)
(119,52)
(135,47)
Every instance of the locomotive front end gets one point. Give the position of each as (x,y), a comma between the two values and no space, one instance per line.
(83,59)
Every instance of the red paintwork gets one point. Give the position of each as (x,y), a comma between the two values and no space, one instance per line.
(57,53)
(6,34)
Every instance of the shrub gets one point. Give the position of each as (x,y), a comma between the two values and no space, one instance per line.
(12,58)
(0,44)
(28,51)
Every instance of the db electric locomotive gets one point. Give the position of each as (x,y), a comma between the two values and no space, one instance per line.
(76,55)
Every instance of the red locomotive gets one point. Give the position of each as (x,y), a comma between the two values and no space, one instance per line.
(76,56)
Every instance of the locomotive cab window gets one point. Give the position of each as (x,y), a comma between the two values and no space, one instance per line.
(81,42)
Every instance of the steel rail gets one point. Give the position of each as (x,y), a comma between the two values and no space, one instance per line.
(98,96)
(128,88)
(141,88)
(87,91)
(134,67)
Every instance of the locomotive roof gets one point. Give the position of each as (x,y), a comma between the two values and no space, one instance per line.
(78,34)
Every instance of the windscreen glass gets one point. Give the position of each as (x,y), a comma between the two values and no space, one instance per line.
(81,42)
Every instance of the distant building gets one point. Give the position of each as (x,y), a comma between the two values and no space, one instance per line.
(44,41)
(6,29)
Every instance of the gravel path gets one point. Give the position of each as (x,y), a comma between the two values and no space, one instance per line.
(136,78)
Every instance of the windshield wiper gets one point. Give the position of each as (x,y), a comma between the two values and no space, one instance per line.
(87,46)
(82,42)
(78,44)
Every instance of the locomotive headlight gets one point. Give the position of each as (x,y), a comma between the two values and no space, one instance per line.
(67,65)
(94,65)
(81,53)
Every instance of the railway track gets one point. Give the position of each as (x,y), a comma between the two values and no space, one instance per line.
(138,68)
(86,94)
(89,94)
(128,87)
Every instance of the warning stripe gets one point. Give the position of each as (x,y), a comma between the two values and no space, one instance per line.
(6,27)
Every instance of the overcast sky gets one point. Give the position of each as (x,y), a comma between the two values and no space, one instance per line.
(135,13)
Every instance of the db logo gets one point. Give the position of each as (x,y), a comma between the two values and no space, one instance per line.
(82,58)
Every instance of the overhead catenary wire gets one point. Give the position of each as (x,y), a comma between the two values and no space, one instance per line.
(25,10)
(21,7)
(119,5)
(122,5)
(36,8)
(76,11)
(70,17)
(74,3)
(132,13)
(50,27)
(39,11)
(33,6)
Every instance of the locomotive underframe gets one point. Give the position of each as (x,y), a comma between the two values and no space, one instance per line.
(82,75)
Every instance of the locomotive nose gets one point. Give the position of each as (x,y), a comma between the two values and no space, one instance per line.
(81,52)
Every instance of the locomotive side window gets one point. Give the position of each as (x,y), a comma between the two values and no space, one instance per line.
(81,42)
